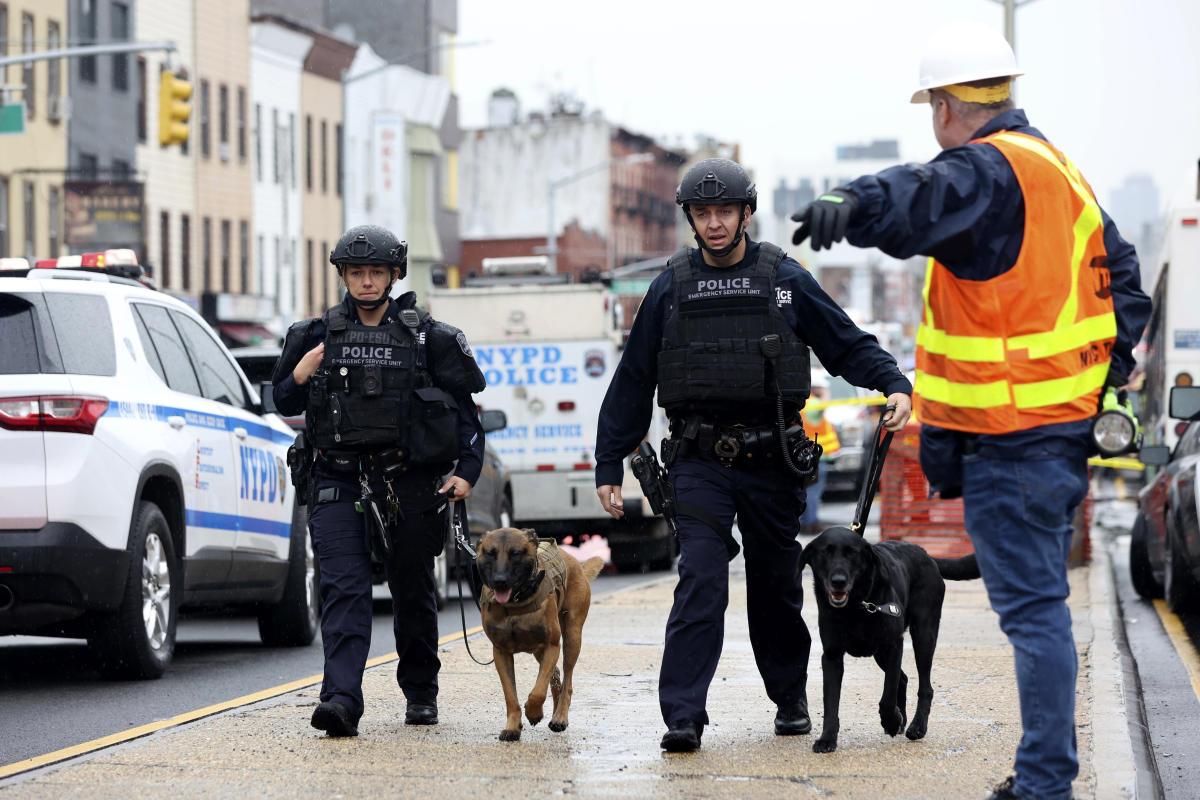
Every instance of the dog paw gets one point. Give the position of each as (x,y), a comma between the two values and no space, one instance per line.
(916,730)
(892,722)
(510,736)
(533,715)
(558,727)
(824,745)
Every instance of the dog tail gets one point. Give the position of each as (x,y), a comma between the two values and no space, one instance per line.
(958,569)
(592,567)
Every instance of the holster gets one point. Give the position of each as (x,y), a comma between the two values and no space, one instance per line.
(299,459)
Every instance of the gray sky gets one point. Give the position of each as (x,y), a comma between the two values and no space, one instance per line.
(1113,83)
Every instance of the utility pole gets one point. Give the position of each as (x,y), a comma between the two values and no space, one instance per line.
(1010,19)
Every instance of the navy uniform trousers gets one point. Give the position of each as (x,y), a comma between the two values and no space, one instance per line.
(340,543)
(767,502)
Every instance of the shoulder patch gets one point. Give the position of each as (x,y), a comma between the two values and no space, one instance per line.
(461,338)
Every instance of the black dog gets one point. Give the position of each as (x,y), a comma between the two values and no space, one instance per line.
(866,596)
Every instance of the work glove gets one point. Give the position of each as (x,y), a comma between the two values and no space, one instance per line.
(824,220)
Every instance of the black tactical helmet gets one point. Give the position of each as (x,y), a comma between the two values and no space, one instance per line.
(370,244)
(717,181)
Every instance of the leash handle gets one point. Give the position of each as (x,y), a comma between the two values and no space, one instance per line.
(866,496)
(458,521)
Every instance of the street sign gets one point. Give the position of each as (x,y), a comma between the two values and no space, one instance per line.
(631,285)
(12,118)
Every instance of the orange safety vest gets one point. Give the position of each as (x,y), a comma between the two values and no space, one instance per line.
(1032,346)
(823,432)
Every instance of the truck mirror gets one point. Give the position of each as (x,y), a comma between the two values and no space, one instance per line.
(493,419)
(1185,402)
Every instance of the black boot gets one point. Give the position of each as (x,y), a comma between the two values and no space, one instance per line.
(792,719)
(420,713)
(334,718)
(683,736)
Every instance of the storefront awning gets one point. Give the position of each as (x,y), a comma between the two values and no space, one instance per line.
(247,333)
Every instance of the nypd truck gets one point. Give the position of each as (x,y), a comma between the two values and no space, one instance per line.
(548,352)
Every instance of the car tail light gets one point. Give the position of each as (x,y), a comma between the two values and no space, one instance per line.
(68,414)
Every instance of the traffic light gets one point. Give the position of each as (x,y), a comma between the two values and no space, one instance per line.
(173,108)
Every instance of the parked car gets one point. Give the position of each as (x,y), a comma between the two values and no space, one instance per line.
(140,473)
(489,506)
(1164,548)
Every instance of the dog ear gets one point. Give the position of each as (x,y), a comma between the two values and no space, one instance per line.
(804,556)
(531,535)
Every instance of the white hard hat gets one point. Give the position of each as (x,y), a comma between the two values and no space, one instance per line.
(819,380)
(963,51)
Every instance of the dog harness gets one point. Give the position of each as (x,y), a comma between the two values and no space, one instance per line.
(549,576)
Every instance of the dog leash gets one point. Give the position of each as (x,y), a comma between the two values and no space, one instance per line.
(458,521)
(874,470)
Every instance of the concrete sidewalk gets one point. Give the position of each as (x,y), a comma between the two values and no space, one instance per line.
(268,750)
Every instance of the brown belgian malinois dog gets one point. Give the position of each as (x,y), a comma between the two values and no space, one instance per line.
(535,599)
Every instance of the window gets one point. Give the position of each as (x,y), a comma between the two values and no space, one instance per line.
(55,217)
(30,219)
(325,270)
(310,274)
(226,256)
(24,352)
(219,378)
(27,73)
(122,170)
(308,152)
(141,105)
(168,347)
(338,155)
(204,141)
(53,72)
(206,253)
(261,261)
(241,124)
(148,346)
(324,157)
(3,49)
(120,33)
(223,121)
(291,145)
(87,35)
(185,250)
(164,247)
(4,251)
(89,166)
(84,332)
(258,173)
(275,142)
(244,252)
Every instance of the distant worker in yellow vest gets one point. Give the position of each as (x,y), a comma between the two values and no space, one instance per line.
(818,428)
(1032,307)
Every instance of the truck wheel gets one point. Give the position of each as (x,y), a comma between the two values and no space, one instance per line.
(1141,574)
(1179,589)
(296,618)
(137,641)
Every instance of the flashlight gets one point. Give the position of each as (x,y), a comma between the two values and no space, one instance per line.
(1115,430)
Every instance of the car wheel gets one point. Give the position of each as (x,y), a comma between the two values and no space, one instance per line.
(137,641)
(1140,571)
(296,618)
(1178,587)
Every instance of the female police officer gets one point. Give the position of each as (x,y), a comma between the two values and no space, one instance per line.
(387,395)
(697,338)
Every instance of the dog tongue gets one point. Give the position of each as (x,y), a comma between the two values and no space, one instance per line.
(503,595)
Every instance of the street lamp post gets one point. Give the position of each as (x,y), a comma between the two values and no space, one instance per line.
(553,186)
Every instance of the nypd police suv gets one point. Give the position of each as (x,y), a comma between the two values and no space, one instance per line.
(139,470)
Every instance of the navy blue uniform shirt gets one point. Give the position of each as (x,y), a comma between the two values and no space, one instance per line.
(840,345)
(965,208)
(292,399)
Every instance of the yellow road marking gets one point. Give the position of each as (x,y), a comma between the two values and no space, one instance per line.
(1182,642)
(190,716)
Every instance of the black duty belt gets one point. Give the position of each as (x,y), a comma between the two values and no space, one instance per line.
(731,444)
(386,464)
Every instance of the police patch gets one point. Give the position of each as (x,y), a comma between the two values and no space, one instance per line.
(461,338)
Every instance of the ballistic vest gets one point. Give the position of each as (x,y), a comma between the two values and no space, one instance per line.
(711,360)
(360,396)
(1030,347)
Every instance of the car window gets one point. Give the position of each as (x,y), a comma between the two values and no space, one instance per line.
(219,378)
(23,350)
(172,355)
(148,346)
(1189,443)
(83,328)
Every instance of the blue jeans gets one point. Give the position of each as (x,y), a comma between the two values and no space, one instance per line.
(1018,514)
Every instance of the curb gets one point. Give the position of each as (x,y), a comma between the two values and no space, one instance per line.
(1112,748)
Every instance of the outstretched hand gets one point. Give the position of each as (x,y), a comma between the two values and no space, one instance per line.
(825,219)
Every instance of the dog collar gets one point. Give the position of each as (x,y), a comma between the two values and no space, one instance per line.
(530,588)
(890,609)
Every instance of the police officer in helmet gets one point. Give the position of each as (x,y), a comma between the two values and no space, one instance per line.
(387,394)
(724,334)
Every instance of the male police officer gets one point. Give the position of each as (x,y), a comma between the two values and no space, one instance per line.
(387,391)
(724,334)
(1032,308)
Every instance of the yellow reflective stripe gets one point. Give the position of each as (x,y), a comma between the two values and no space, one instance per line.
(961,395)
(1060,390)
(928,318)
(1060,340)
(960,348)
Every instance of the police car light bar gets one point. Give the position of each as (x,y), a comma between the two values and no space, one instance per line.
(13,264)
